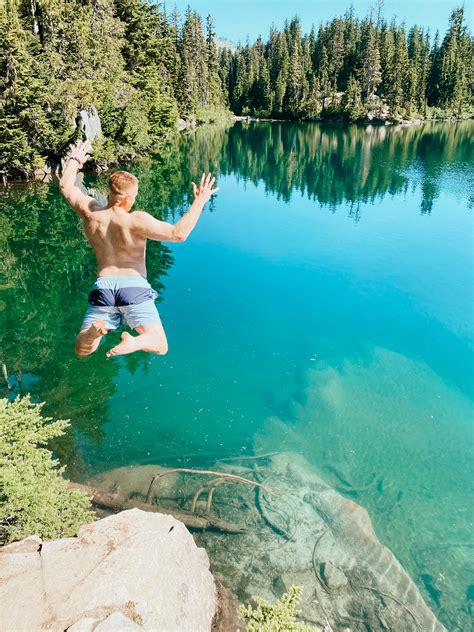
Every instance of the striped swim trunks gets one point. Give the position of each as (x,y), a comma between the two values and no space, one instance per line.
(119,300)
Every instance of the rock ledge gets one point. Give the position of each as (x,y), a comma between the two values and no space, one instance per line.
(131,571)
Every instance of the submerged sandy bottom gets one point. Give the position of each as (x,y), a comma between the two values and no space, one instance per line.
(392,435)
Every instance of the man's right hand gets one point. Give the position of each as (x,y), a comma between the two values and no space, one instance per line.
(204,191)
(80,151)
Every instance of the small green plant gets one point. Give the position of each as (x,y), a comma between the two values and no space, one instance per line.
(278,617)
(34,497)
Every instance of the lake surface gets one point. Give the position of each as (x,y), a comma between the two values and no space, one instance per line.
(323,304)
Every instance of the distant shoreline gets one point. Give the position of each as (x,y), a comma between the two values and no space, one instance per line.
(46,173)
(374,121)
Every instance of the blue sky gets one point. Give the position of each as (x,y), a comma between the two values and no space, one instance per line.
(235,19)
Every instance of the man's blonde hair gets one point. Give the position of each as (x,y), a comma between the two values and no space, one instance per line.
(122,183)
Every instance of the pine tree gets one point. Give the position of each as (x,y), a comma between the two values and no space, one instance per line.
(313,105)
(387,58)
(370,71)
(279,68)
(261,96)
(335,51)
(323,76)
(351,40)
(149,54)
(214,93)
(398,74)
(434,76)
(296,86)
(455,64)
(351,104)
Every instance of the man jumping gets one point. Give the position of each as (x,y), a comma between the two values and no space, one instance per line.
(121,293)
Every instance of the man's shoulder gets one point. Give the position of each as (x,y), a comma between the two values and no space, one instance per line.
(139,214)
(140,217)
(90,208)
(138,220)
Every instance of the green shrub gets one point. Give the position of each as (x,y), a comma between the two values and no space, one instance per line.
(278,617)
(34,497)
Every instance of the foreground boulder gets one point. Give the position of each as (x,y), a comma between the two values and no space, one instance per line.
(131,571)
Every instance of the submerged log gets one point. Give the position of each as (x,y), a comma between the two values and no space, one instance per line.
(187,470)
(115,504)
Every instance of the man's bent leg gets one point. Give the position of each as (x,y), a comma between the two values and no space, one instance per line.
(151,338)
(88,339)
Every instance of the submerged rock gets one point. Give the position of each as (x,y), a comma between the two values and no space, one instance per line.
(131,571)
(302,533)
(350,579)
(333,577)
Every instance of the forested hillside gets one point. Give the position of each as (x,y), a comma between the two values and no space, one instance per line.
(350,68)
(139,67)
(142,68)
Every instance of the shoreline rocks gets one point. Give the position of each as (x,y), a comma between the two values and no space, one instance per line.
(131,571)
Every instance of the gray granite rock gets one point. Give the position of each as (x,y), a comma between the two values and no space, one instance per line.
(89,123)
(142,566)
(117,622)
(87,624)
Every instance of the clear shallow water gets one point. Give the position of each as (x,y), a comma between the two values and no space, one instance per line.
(323,304)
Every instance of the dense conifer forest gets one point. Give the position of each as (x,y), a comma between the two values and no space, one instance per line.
(353,69)
(142,68)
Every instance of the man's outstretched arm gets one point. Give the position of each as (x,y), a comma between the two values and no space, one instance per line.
(152,228)
(76,198)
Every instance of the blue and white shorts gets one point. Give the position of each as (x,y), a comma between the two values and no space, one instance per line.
(119,300)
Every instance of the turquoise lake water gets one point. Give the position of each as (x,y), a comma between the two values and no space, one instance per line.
(323,304)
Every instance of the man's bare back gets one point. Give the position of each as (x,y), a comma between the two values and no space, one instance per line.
(118,237)
(117,241)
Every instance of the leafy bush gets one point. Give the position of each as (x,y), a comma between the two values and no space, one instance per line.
(278,617)
(34,497)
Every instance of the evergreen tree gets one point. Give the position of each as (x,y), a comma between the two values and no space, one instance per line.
(434,73)
(214,91)
(398,74)
(455,65)
(296,87)
(149,56)
(279,69)
(370,71)
(352,105)
(351,40)
(323,76)
(313,105)
(335,51)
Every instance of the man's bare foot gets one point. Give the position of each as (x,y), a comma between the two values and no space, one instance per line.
(88,339)
(96,330)
(127,345)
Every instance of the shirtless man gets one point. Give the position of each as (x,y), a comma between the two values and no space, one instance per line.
(121,293)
